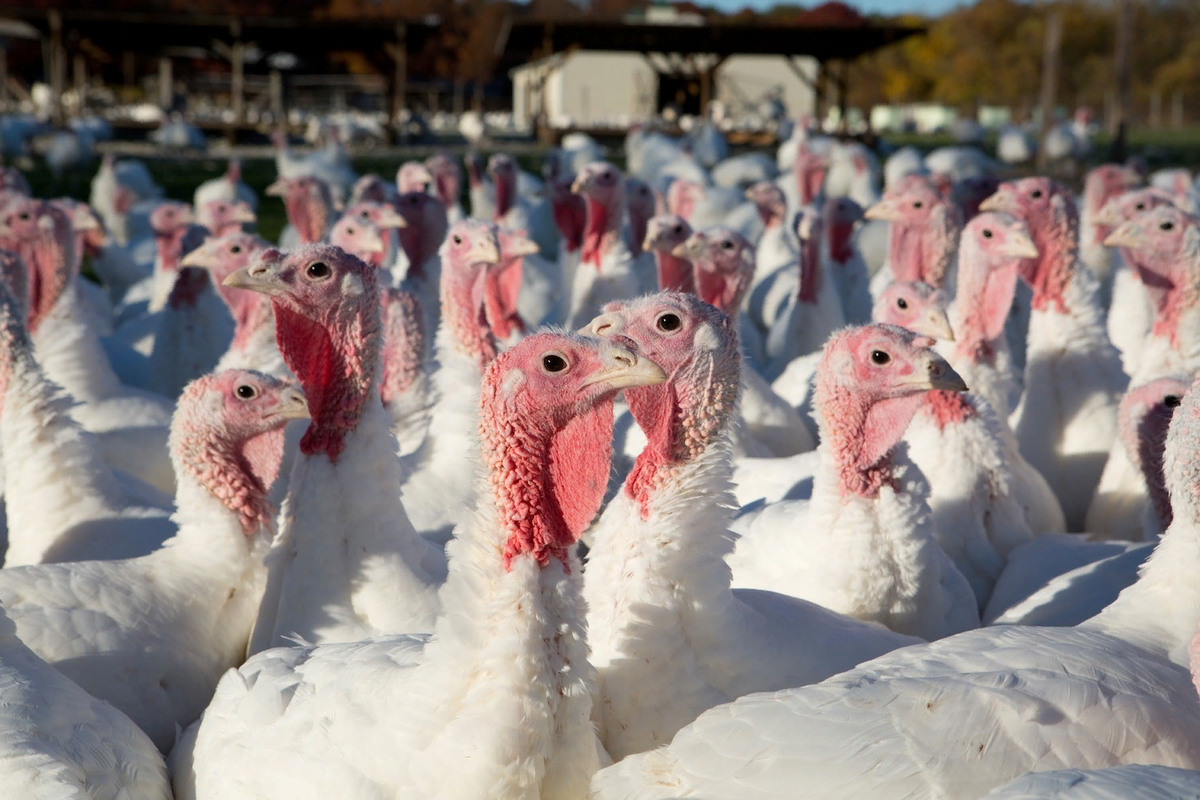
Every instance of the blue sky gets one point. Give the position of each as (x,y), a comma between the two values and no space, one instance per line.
(868,6)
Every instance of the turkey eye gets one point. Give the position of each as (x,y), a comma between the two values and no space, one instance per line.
(678,229)
(918,204)
(902,303)
(1140,206)
(237,248)
(880,357)
(457,239)
(987,233)
(245,392)
(25,216)
(728,245)
(1167,226)
(553,363)
(1036,194)
(669,322)
(1172,400)
(318,270)
(349,231)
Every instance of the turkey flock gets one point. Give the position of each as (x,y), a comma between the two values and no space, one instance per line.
(723,477)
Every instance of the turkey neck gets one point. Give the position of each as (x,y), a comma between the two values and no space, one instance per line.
(810,265)
(570,217)
(69,349)
(509,653)
(1055,271)
(602,228)
(309,216)
(925,252)
(674,273)
(404,345)
(1175,289)
(48,263)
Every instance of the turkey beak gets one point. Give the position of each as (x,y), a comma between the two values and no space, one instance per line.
(292,405)
(1000,201)
(1129,234)
(1109,215)
(372,241)
(624,370)
(886,210)
(242,213)
(186,217)
(583,181)
(259,277)
(278,188)
(692,249)
(390,218)
(486,251)
(196,258)
(519,245)
(607,324)
(937,325)
(649,242)
(1018,245)
(84,223)
(938,375)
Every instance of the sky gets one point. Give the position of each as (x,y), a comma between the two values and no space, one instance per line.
(867,6)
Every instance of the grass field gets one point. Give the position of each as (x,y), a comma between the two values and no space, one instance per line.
(180,176)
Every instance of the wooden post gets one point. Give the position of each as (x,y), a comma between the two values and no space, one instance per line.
(4,78)
(1121,75)
(1050,55)
(1155,109)
(843,87)
(79,67)
(1177,108)
(400,76)
(275,89)
(237,81)
(57,67)
(128,68)
(166,84)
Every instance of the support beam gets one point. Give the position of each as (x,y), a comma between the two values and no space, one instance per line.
(166,84)
(128,68)
(399,55)
(4,78)
(1121,78)
(1050,53)
(275,89)
(237,81)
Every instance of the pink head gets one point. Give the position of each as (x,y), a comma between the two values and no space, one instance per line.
(42,235)
(924,230)
(403,354)
(810,168)
(503,171)
(413,176)
(603,191)
(697,346)
(170,217)
(225,216)
(545,431)
(992,248)
(88,230)
(869,383)
(769,201)
(227,433)
(424,229)
(471,251)
(723,265)
(1102,184)
(1166,245)
(1142,422)
(682,197)
(642,203)
(309,204)
(223,256)
(504,284)
(569,211)
(664,235)
(326,305)
(447,178)
(1048,210)
(361,238)
(840,215)
(916,306)
(372,189)
(1125,207)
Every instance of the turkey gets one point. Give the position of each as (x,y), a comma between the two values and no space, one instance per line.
(194,331)
(224,216)
(423,232)
(439,489)
(923,235)
(664,234)
(377,575)
(228,187)
(310,206)
(447,184)
(63,502)
(1066,422)
(1166,246)
(503,690)
(331,165)
(152,635)
(1130,782)
(864,544)
(606,270)
(387,222)
(668,636)
(116,188)
(253,346)
(404,384)
(966,714)
(59,741)
(131,424)
(1014,145)
(1102,184)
